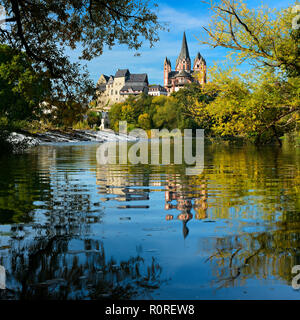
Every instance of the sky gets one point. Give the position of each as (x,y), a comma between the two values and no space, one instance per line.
(181,15)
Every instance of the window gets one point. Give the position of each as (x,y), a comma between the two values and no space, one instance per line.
(112,92)
(116,92)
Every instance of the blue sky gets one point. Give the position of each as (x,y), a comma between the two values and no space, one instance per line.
(189,16)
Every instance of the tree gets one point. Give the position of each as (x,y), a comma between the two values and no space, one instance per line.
(128,114)
(115,114)
(165,116)
(21,88)
(94,119)
(67,113)
(188,97)
(250,105)
(263,36)
(144,121)
(45,28)
(270,105)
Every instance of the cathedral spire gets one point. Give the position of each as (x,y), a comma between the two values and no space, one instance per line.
(183,61)
(184,54)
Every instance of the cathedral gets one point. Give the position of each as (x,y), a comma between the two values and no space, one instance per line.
(184,74)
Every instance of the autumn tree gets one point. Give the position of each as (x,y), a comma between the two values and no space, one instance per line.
(144,121)
(262,36)
(263,104)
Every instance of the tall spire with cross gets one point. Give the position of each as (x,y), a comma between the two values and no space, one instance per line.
(184,61)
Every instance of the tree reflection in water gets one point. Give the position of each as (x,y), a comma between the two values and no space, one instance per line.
(60,258)
(48,268)
(264,255)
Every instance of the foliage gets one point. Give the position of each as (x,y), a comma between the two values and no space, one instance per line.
(192,95)
(81,125)
(149,112)
(144,121)
(259,108)
(262,35)
(66,114)
(46,28)
(21,88)
(165,114)
(94,119)
(264,104)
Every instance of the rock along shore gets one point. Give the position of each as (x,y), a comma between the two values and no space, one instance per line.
(24,140)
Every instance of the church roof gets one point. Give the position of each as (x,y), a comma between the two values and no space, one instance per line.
(184,53)
(172,74)
(199,57)
(182,73)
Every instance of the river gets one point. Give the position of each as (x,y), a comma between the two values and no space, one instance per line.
(73,229)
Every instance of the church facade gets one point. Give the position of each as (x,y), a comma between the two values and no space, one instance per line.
(184,73)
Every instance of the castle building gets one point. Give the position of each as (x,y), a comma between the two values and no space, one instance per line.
(118,88)
(184,73)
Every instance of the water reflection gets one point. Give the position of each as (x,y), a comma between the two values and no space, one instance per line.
(186,197)
(72,229)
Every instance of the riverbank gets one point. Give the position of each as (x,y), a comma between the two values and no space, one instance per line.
(22,140)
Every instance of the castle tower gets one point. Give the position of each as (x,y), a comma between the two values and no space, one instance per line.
(199,67)
(167,70)
(184,61)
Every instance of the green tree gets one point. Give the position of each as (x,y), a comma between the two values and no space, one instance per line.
(256,106)
(21,88)
(115,114)
(166,114)
(188,97)
(128,114)
(94,118)
(67,113)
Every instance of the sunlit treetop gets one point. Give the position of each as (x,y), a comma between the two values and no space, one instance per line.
(262,35)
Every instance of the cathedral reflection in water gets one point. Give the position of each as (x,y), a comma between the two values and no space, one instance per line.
(118,184)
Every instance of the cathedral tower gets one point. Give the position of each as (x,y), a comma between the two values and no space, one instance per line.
(167,70)
(184,61)
(184,74)
(200,68)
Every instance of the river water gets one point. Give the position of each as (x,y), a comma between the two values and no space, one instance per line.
(73,229)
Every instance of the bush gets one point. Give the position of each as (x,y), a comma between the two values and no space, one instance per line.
(81,125)
(94,119)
